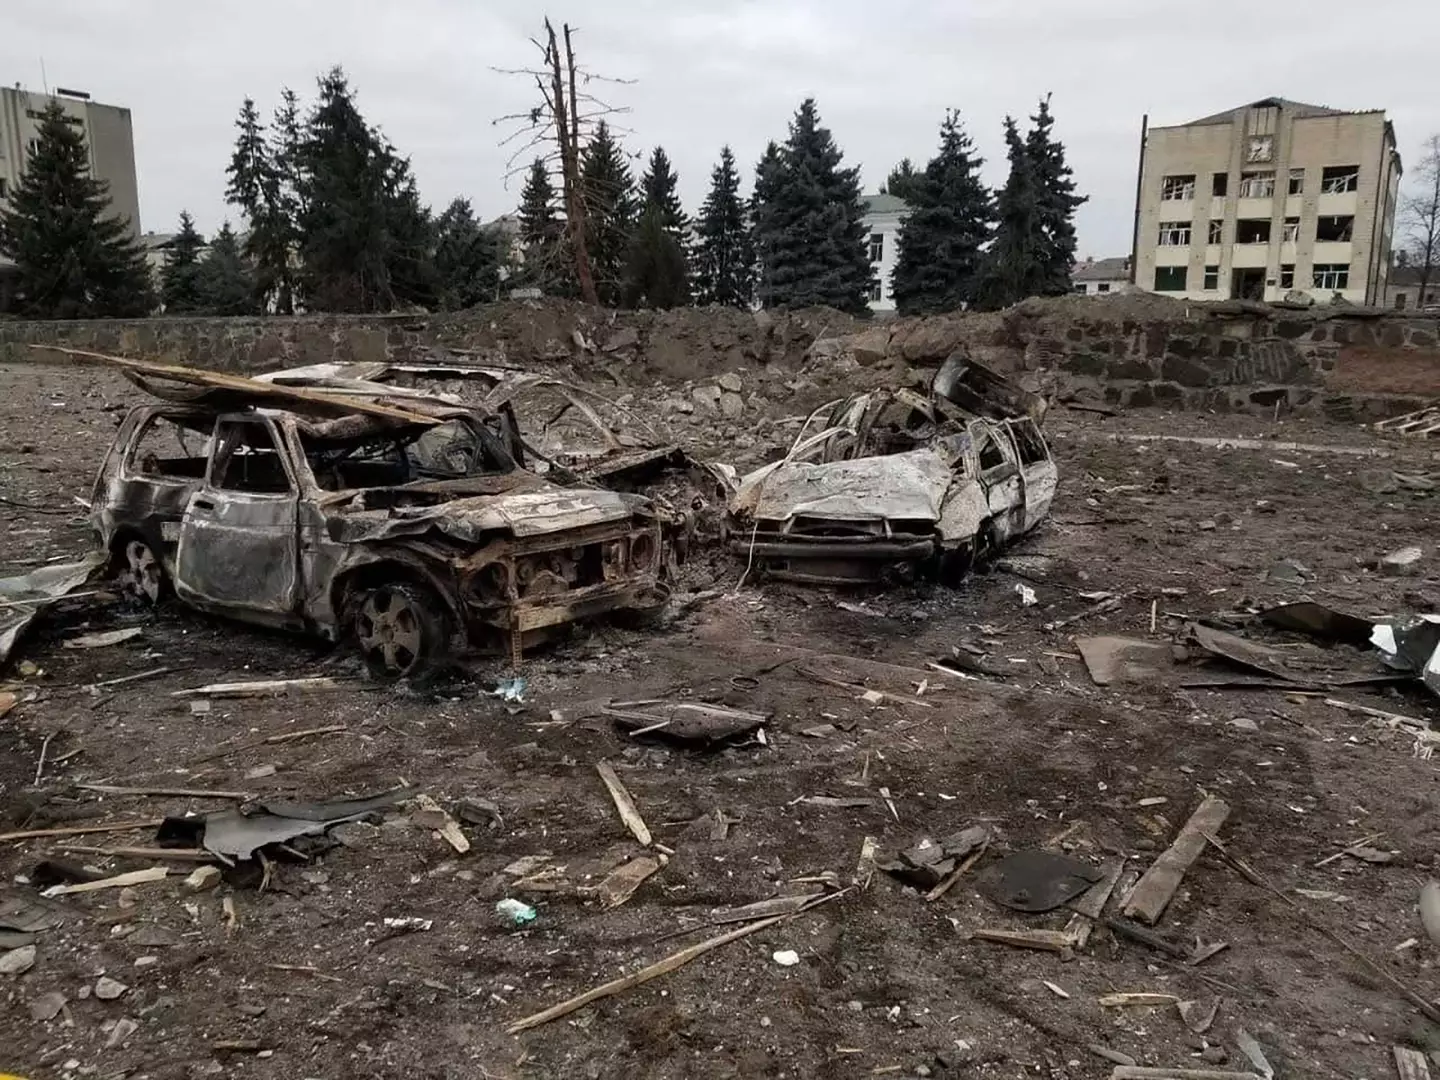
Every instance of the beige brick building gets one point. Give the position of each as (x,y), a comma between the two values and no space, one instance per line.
(1268,200)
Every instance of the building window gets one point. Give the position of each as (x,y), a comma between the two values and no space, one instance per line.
(1170,279)
(1297,181)
(1257,185)
(877,246)
(1400,300)
(1290,231)
(1177,188)
(1104,286)
(1334,230)
(1212,279)
(1220,184)
(875,293)
(1174,233)
(1331,276)
(1078,290)
(1252,231)
(1287,275)
(1217,231)
(1339,179)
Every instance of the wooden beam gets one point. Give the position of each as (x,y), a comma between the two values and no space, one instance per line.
(1156,887)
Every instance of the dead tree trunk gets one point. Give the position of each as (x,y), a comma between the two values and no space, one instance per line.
(567,134)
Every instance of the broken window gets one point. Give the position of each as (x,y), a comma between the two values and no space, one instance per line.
(1217,231)
(1170,279)
(1174,233)
(1334,229)
(1177,188)
(1287,275)
(1078,290)
(1297,181)
(1331,276)
(1220,184)
(445,451)
(1212,278)
(1338,179)
(246,459)
(1290,231)
(874,293)
(1257,185)
(877,247)
(164,449)
(1028,442)
(1252,231)
(989,452)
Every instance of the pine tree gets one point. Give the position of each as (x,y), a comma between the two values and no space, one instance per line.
(1011,265)
(467,258)
(548,265)
(902,180)
(224,282)
(940,259)
(610,212)
(256,187)
(655,271)
(814,232)
(768,178)
(1056,204)
(74,259)
(658,184)
(179,278)
(724,258)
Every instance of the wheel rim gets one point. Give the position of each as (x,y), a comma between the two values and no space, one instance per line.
(141,575)
(389,633)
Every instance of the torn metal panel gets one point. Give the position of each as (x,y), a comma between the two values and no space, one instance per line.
(22,598)
(1320,621)
(1123,660)
(1412,645)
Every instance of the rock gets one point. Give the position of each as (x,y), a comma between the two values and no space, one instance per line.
(151,937)
(580,343)
(730,381)
(18,961)
(825,348)
(260,772)
(1206,526)
(1214,1055)
(123,1029)
(108,989)
(625,338)
(47,1006)
(1401,563)
(1288,572)
(682,406)
(870,346)
(764,321)
(1377,481)
(1244,723)
(731,406)
(707,397)
(203,878)
(146,961)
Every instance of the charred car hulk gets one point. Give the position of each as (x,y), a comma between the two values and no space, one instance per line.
(399,521)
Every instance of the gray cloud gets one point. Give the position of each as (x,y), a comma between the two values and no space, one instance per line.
(713,71)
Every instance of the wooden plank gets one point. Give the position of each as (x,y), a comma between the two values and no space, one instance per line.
(119,881)
(1139,1072)
(624,804)
(1156,887)
(1089,906)
(1410,1064)
(1055,941)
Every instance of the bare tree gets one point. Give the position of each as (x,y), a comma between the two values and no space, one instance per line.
(1420,217)
(567,109)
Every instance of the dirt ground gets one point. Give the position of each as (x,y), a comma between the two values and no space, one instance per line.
(306,980)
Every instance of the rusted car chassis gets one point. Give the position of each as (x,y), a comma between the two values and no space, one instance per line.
(488,562)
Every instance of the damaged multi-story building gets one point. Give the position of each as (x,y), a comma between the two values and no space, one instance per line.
(1268,200)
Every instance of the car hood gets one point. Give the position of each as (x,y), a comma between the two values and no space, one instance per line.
(534,513)
(909,486)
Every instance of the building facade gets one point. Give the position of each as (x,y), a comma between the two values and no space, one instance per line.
(108,135)
(883,215)
(1403,292)
(1269,201)
(1095,277)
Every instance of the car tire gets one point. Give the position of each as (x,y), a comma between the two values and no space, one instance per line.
(402,630)
(138,571)
(986,548)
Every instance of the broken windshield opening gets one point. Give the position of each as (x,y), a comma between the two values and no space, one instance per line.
(447,451)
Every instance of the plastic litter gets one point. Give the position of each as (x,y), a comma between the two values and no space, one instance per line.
(516,912)
(1026,594)
(512,690)
(786,957)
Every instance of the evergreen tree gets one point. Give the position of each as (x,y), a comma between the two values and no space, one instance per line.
(939,261)
(655,270)
(255,186)
(1056,203)
(724,259)
(548,260)
(179,278)
(225,284)
(610,212)
(1012,263)
(658,185)
(768,173)
(74,259)
(902,180)
(467,258)
(813,228)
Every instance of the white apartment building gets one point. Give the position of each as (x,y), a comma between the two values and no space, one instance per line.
(883,215)
(1267,201)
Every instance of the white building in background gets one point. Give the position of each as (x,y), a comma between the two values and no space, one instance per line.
(1094,277)
(883,215)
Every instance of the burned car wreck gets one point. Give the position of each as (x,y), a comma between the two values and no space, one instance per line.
(397,520)
(892,483)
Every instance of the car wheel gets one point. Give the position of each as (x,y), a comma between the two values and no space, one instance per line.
(402,630)
(986,548)
(139,572)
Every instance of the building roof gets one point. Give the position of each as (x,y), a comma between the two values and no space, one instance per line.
(1102,269)
(1299,109)
(884,204)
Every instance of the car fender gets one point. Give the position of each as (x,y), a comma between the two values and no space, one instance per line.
(964,511)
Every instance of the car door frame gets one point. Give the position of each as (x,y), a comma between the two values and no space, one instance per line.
(1041,476)
(238,551)
(1005,483)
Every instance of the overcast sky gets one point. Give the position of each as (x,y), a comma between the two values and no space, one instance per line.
(709,72)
